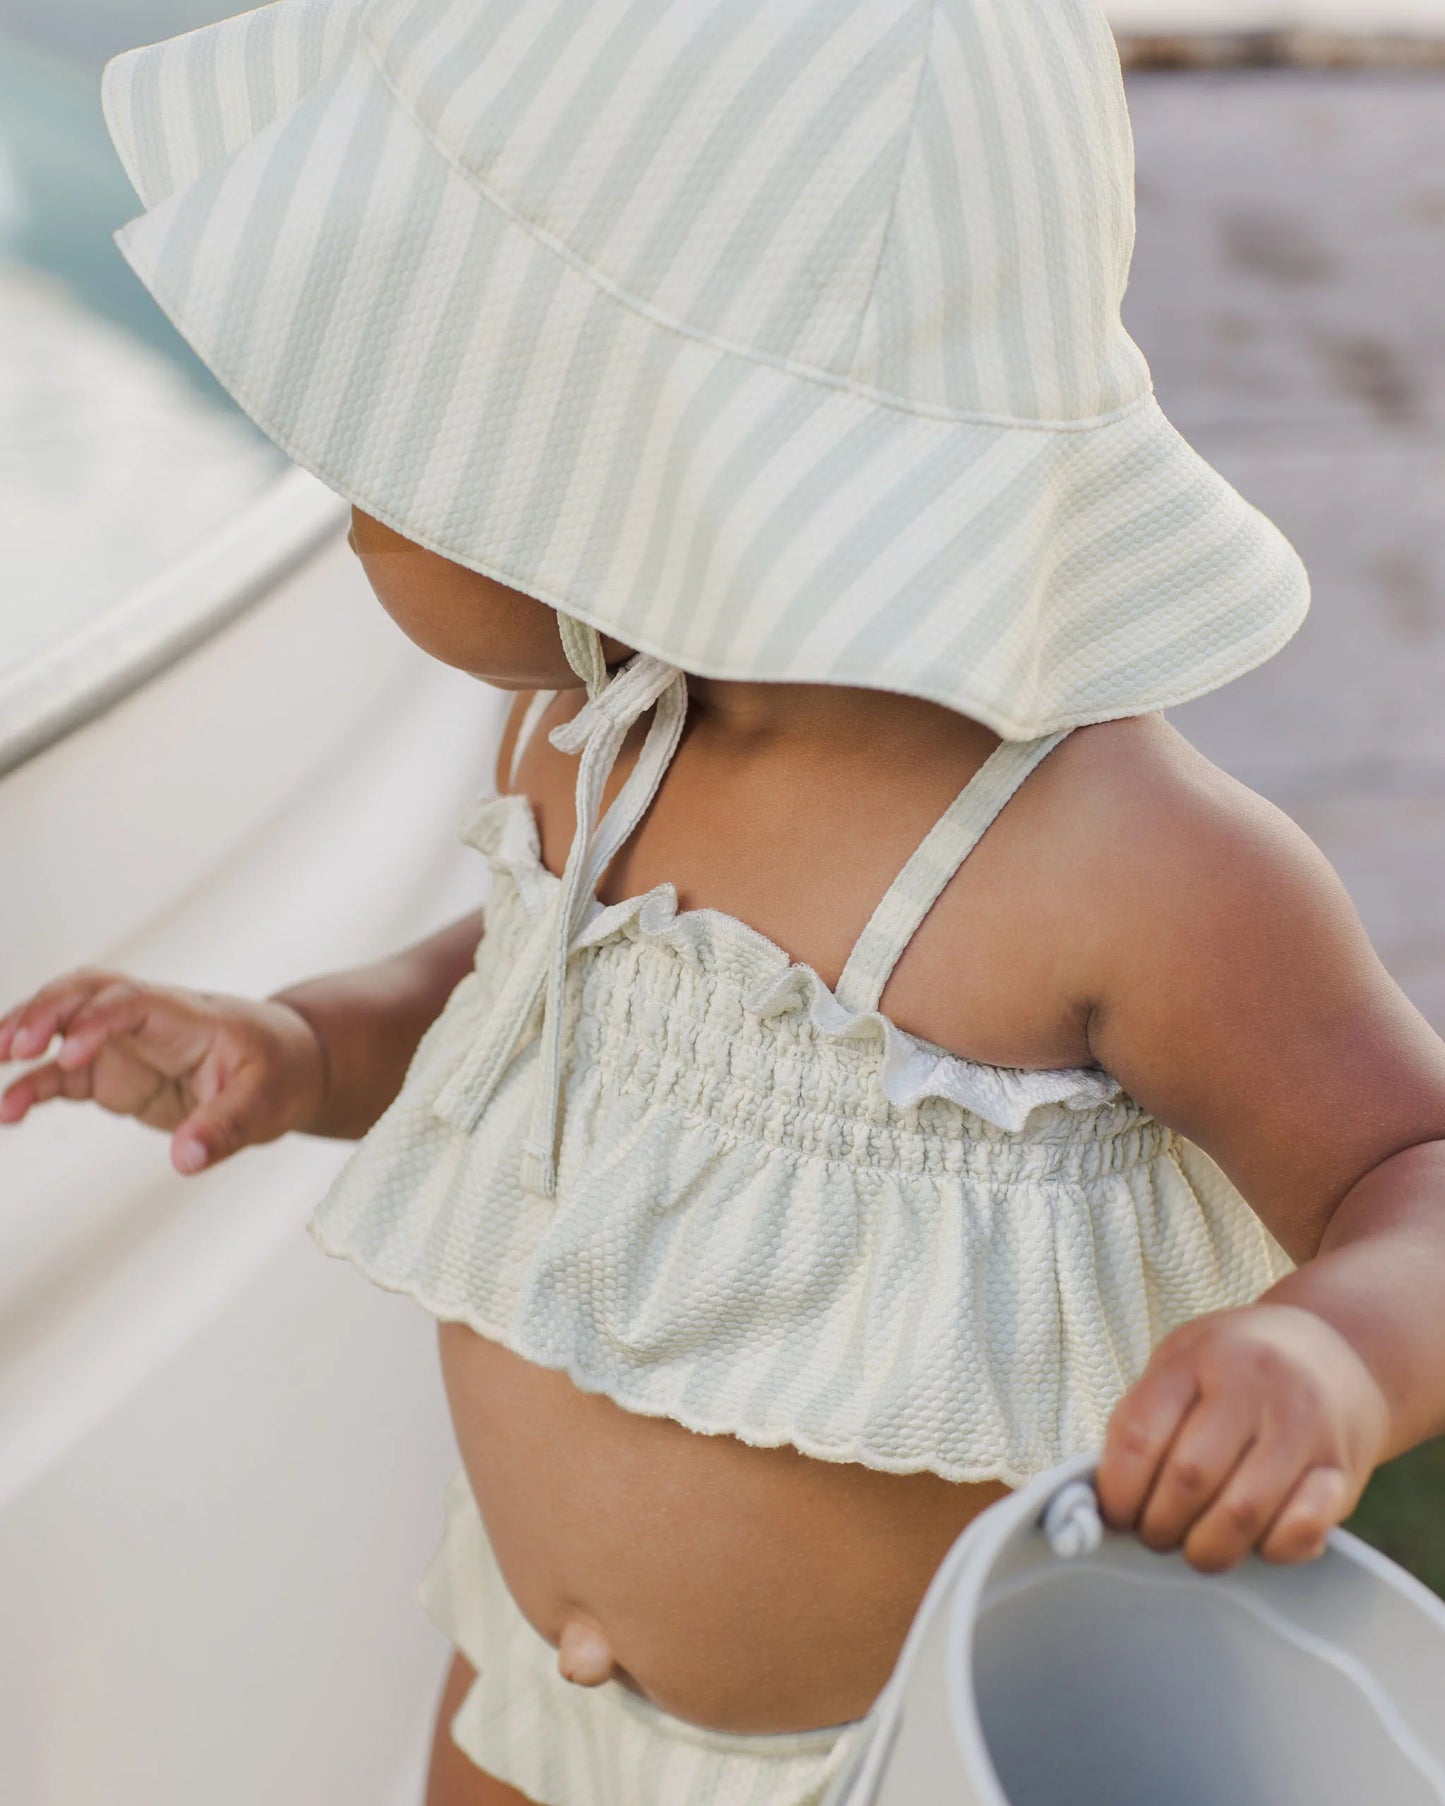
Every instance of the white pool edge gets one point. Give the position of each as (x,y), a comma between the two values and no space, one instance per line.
(124,646)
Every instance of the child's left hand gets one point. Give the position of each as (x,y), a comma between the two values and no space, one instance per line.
(1252,1429)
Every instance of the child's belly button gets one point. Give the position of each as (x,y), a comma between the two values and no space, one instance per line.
(744,1589)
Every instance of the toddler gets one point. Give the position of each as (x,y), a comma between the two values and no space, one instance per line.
(890,1059)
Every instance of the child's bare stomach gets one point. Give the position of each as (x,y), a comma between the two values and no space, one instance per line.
(741,1588)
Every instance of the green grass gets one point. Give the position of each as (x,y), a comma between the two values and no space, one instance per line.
(1403,1513)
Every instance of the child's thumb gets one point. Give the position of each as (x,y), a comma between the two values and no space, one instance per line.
(208,1135)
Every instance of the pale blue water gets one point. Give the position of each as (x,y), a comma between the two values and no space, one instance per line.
(118,451)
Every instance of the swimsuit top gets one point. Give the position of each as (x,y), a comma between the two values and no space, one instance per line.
(643,1146)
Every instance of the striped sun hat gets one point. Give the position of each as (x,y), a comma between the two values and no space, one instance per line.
(777,338)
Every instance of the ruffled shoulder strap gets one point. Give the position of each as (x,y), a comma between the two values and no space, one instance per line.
(921,882)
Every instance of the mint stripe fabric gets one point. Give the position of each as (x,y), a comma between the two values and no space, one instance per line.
(778,338)
(777,1216)
(919,885)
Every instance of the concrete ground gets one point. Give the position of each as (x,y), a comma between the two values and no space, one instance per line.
(1289,291)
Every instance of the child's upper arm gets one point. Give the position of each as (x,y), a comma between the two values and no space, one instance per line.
(1237,997)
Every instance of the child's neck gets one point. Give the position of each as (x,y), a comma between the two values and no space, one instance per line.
(748,717)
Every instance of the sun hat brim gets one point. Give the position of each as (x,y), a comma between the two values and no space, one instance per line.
(453,369)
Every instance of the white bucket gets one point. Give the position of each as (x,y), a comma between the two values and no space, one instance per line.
(1053,1664)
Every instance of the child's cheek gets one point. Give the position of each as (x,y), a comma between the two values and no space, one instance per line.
(468,620)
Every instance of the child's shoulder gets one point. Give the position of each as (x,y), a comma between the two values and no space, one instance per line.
(1231,987)
(1130,879)
(1126,863)
(1149,825)
(1140,774)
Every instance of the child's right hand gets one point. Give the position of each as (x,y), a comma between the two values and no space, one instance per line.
(221,1073)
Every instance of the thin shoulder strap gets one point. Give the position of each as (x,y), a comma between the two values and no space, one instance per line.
(921,882)
(533,713)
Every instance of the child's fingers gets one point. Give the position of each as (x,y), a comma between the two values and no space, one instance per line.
(115,1010)
(220,1127)
(38,1086)
(28,1029)
(1248,1503)
(1210,1443)
(1140,1431)
(1321,1499)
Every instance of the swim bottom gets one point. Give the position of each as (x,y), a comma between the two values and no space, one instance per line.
(565,1745)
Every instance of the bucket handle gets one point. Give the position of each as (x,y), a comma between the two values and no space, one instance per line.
(1072,1521)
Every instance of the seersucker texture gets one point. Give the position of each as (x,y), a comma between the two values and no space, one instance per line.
(778,338)
(782,1219)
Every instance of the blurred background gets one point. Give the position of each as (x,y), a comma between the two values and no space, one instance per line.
(1289,292)
(221,1455)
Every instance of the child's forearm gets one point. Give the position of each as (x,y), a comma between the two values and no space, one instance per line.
(1379,1279)
(370,1019)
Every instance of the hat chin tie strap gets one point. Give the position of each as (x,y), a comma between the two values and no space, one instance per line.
(597,732)
(583,648)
